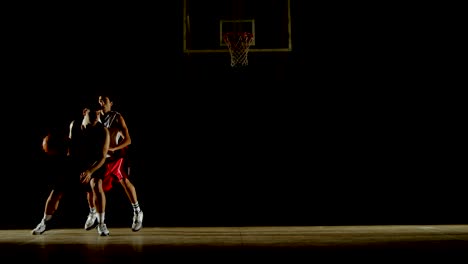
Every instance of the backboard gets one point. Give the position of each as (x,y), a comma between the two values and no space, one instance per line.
(205,22)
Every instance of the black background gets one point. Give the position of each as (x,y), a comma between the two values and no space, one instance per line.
(355,126)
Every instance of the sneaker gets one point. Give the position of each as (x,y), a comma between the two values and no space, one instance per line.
(137,221)
(91,221)
(102,230)
(40,228)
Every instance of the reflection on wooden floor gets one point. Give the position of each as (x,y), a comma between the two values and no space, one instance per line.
(374,244)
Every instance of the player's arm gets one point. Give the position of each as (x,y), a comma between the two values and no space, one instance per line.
(127,140)
(70,133)
(70,129)
(72,123)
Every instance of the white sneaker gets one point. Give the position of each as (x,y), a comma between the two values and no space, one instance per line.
(137,221)
(102,230)
(91,221)
(40,228)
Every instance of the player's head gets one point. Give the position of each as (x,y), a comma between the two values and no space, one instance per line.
(91,112)
(106,102)
(107,97)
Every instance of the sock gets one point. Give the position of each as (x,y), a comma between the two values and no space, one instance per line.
(136,207)
(100,217)
(92,210)
(47,218)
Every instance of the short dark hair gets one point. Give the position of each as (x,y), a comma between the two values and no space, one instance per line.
(93,106)
(109,95)
(104,90)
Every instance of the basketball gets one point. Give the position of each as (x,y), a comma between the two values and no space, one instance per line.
(54,145)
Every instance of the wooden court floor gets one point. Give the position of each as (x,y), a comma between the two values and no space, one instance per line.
(287,244)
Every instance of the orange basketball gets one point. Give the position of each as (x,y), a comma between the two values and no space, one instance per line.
(54,145)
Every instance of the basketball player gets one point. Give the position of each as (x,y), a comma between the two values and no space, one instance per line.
(117,167)
(88,143)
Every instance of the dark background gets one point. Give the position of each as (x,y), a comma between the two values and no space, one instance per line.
(354,126)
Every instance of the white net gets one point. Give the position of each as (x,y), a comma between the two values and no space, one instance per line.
(238,44)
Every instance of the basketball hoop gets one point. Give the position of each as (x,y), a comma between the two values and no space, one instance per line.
(238,44)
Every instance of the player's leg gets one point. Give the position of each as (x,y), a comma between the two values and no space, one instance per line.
(91,220)
(100,205)
(51,206)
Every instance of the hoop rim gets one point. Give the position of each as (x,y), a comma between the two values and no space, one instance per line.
(238,43)
(238,33)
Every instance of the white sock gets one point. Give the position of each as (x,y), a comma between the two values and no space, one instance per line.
(100,217)
(136,207)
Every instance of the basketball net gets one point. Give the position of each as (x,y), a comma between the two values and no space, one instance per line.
(238,44)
